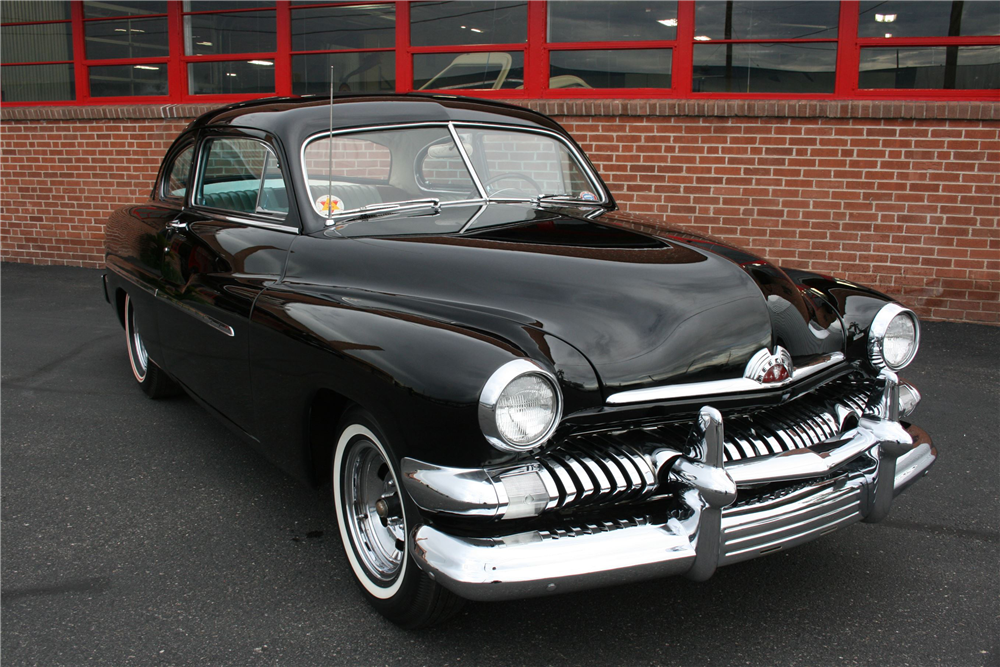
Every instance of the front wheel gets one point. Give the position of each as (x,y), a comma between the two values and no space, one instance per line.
(151,378)
(372,513)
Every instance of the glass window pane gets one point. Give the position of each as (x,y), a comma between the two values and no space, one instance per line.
(243,32)
(273,196)
(463,71)
(180,174)
(130,38)
(746,19)
(444,23)
(96,10)
(519,164)
(902,18)
(231,78)
(641,68)
(222,5)
(353,72)
(128,80)
(933,67)
(574,21)
(37,83)
(351,171)
(353,27)
(22,11)
(45,42)
(764,68)
(233,169)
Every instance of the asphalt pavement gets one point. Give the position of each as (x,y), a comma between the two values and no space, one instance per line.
(143,532)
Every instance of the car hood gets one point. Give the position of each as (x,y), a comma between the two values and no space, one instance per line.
(645,310)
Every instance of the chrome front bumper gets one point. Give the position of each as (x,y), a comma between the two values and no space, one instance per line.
(710,527)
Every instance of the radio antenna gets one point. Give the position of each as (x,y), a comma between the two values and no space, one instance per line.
(329,152)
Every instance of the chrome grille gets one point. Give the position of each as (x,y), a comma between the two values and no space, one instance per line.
(774,524)
(615,466)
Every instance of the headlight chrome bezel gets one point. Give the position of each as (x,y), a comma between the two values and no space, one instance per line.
(490,396)
(877,332)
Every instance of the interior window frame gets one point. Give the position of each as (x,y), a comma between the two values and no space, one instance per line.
(284,219)
(162,189)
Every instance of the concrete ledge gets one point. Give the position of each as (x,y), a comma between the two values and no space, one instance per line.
(884,109)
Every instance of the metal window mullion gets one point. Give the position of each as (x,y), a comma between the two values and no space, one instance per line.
(468,162)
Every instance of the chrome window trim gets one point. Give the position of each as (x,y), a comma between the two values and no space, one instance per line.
(717,387)
(199,174)
(595,181)
(161,190)
(490,395)
(452,129)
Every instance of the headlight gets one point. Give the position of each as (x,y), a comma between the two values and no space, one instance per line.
(520,406)
(893,337)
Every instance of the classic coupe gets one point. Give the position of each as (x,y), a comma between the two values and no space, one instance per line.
(434,306)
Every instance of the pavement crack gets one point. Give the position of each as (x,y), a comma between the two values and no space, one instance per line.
(89,585)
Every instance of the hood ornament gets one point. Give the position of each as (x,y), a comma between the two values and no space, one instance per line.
(768,368)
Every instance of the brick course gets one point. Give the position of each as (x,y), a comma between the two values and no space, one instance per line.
(901,196)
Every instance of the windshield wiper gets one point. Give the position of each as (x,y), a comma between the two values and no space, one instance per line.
(564,198)
(375,210)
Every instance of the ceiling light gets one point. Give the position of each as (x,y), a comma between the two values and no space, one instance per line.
(702,38)
(146,67)
(261,62)
(670,23)
(888,34)
(885,18)
(475,29)
(120,30)
(463,27)
(135,30)
(230,74)
(204,43)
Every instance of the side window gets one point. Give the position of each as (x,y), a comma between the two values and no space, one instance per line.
(178,176)
(242,175)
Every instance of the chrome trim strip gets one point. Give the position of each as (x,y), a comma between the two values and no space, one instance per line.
(253,223)
(716,387)
(468,163)
(595,181)
(221,327)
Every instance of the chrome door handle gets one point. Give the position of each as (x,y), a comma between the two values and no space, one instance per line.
(180,226)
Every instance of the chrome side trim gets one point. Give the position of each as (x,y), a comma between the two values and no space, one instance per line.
(221,327)
(468,163)
(717,387)
(252,223)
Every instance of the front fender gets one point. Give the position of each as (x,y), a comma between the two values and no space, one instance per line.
(856,304)
(420,376)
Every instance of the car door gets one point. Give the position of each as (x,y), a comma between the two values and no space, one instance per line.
(228,244)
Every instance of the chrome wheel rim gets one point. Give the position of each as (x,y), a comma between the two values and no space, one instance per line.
(373,511)
(136,348)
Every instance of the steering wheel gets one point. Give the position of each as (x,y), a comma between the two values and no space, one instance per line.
(512,174)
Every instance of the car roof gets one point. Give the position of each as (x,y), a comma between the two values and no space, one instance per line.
(294,118)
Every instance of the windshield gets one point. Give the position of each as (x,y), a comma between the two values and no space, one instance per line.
(360,172)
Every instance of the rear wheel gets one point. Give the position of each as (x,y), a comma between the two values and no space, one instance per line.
(373,511)
(151,378)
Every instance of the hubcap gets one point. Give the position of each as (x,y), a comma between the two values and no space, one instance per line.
(141,358)
(373,509)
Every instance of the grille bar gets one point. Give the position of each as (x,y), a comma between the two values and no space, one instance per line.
(603,467)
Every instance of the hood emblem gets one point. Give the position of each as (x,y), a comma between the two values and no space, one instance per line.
(768,368)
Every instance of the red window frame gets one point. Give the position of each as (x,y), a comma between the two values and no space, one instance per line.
(536,59)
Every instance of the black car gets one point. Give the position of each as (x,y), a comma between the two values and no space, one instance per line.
(434,304)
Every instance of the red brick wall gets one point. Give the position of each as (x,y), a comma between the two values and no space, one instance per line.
(903,197)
